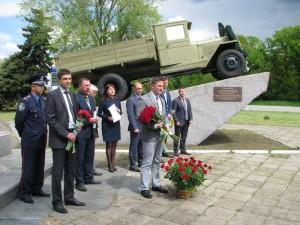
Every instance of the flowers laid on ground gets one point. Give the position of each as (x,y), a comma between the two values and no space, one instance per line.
(150,116)
(186,173)
(83,116)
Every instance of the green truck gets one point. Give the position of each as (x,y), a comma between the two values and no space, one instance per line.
(168,52)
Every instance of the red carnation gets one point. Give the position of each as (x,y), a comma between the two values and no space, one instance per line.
(204,171)
(200,164)
(167,168)
(194,169)
(180,169)
(199,161)
(185,176)
(205,165)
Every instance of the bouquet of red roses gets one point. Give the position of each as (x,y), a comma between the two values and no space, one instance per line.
(83,116)
(150,116)
(186,173)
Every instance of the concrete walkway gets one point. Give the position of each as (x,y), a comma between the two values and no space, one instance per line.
(243,189)
(289,136)
(272,108)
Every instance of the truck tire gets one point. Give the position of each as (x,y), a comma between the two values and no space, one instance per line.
(118,81)
(230,63)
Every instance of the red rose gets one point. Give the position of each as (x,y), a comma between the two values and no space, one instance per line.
(200,164)
(147,114)
(204,171)
(186,159)
(186,164)
(194,169)
(179,159)
(205,164)
(185,176)
(162,165)
(180,169)
(167,168)
(170,161)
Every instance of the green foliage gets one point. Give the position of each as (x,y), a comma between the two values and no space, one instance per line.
(85,23)
(33,57)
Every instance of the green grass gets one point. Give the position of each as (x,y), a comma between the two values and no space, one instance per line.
(276,103)
(7,116)
(267,118)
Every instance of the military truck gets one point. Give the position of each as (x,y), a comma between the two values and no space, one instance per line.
(168,52)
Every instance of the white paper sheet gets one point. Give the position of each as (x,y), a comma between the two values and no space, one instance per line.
(114,113)
(95,116)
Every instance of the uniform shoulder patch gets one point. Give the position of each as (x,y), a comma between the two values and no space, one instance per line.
(21,106)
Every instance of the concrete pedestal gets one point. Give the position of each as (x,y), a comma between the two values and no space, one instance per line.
(5,143)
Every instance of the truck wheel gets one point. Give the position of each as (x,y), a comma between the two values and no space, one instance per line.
(230,63)
(118,81)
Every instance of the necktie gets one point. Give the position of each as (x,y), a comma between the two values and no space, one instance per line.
(70,104)
(185,109)
(40,103)
(159,105)
(88,101)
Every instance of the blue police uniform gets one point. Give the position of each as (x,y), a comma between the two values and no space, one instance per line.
(31,124)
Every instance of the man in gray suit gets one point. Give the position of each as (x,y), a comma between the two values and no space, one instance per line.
(61,115)
(150,136)
(134,127)
(183,117)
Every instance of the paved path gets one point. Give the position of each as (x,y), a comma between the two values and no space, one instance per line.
(243,189)
(289,136)
(272,108)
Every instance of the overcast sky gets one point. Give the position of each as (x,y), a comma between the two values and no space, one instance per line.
(259,18)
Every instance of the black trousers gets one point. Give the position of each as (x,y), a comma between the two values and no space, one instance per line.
(85,152)
(63,163)
(33,164)
(135,150)
(181,131)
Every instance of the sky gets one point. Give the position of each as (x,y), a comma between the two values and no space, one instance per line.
(260,18)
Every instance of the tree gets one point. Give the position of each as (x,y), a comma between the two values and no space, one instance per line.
(284,55)
(85,23)
(34,57)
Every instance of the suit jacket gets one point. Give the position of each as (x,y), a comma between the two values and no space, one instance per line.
(178,110)
(131,107)
(58,118)
(149,133)
(86,131)
(168,101)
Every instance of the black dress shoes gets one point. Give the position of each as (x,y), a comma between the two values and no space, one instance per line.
(92,182)
(160,189)
(60,208)
(75,202)
(135,169)
(146,194)
(185,153)
(176,153)
(27,199)
(97,173)
(80,187)
(40,193)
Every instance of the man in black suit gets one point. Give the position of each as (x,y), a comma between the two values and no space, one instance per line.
(85,140)
(134,127)
(31,124)
(183,117)
(61,114)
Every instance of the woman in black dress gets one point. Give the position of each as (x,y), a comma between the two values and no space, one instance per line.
(111,132)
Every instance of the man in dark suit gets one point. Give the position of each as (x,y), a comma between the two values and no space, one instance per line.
(61,115)
(30,122)
(85,140)
(168,102)
(135,147)
(183,117)
(150,136)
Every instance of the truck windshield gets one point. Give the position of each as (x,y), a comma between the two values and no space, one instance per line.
(175,32)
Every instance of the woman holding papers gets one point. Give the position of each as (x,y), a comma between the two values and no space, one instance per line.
(110,111)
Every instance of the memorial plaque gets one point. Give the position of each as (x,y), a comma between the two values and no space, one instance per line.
(228,94)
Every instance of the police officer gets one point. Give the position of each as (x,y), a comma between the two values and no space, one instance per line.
(30,122)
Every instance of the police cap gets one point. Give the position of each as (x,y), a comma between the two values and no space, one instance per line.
(37,78)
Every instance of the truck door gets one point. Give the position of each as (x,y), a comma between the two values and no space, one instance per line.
(172,42)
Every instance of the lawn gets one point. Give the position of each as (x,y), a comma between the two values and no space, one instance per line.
(7,116)
(266,118)
(276,103)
